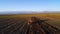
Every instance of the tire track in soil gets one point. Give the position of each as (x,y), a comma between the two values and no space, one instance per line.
(16,29)
(7,29)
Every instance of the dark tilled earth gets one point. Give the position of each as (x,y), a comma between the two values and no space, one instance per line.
(20,26)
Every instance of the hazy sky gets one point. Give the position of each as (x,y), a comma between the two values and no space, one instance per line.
(29,5)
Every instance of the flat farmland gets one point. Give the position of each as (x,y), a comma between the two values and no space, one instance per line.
(17,24)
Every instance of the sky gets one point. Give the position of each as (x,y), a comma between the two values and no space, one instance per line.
(13,6)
